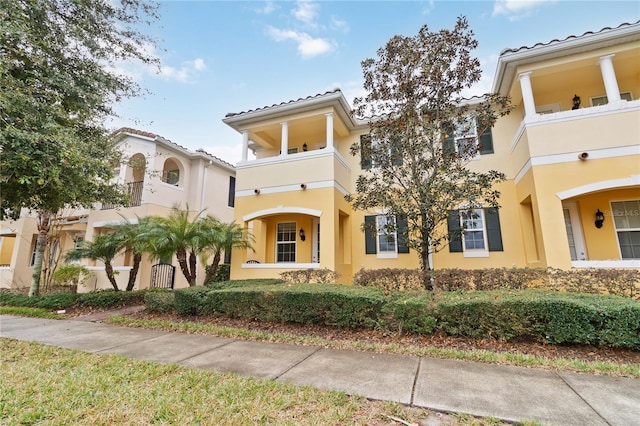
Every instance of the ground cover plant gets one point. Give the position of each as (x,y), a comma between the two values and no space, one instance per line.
(45,385)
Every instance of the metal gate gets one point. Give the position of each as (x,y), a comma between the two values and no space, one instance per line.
(162,275)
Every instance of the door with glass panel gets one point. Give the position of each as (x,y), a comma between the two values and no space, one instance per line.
(573,227)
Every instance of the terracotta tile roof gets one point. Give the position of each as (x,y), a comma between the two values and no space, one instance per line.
(318,95)
(571,37)
(165,141)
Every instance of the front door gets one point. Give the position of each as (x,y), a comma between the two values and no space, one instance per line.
(574,231)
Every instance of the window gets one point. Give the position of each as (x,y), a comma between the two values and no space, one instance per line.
(371,152)
(365,152)
(474,232)
(626,218)
(171,172)
(385,235)
(232,191)
(34,243)
(286,242)
(386,231)
(463,139)
(603,100)
(292,150)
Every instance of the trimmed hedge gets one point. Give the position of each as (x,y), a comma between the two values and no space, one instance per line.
(98,299)
(620,282)
(161,301)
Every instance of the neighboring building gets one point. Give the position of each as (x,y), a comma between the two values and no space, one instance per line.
(563,166)
(159,174)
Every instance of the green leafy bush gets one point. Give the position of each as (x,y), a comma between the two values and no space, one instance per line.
(411,315)
(52,302)
(112,298)
(71,275)
(244,283)
(223,273)
(391,280)
(161,301)
(191,301)
(310,276)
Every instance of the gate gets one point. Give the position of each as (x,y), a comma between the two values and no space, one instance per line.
(162,275)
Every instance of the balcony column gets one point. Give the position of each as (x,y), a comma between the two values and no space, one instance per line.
(527,94)
(284,146)
(329,119)
(245,145)
(609,77)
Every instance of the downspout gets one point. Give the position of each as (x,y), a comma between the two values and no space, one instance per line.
(204,184)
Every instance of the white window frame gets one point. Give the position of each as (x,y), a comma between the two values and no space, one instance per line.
(481,252)
(603,99)
(382,232)
(294,241)
(467,131)
(613,215)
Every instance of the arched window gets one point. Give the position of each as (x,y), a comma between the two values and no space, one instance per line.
(171,172)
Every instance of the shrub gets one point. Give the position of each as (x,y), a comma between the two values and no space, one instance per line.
(310,276)
(159,301)
(412,315)
(390,280)
(112,298)
(71,275)
(191,300)
(52,302)
(621,282)
(223,273)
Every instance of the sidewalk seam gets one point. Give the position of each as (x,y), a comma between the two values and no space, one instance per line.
(415,381)
(318,348)
(580,396)
(204,352)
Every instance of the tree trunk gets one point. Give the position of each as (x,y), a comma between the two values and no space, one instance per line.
(44,220)
(213,268)
(133,273)
(192,264)
(108,268)
(181,255)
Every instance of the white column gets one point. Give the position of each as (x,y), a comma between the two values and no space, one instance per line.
(527,94)
(329,119)
(609,77)
(245,145)
(284,146)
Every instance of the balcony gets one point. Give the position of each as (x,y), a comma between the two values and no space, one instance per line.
(611,128)
(317,167)
(134,191)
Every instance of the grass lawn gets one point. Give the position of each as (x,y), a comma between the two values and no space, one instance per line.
(46,385)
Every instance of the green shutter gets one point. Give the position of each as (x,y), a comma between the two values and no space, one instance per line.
(370,234)
(455,231)
(494,234)
(396,151)
(486,142)
(401,231)
(365,152)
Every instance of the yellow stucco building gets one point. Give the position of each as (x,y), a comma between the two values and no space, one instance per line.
(570,151)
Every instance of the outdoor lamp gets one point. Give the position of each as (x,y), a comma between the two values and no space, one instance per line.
(599,219)
(304,147)
(576,102)
(302,236)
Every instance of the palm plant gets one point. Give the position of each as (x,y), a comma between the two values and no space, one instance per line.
(175,234)
(103,248)
(219,237)
(132,236)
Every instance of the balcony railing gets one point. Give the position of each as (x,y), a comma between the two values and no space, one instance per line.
(134,189)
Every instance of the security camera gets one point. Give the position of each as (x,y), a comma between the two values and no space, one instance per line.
(256,191)
(583,156)
(303,185)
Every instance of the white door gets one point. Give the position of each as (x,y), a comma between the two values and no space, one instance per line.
(315,241)
(574,231)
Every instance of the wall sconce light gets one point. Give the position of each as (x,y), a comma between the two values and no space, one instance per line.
(303,186)
(576,102)
(599,219)
(305,147)
(302,236)
(256,191)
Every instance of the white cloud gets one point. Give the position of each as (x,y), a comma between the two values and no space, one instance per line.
(306,12)
(428,7)
(186,73)
(308,46)
(268,7)
(517,9)
(337,24)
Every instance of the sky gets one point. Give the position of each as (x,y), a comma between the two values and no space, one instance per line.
(219,57)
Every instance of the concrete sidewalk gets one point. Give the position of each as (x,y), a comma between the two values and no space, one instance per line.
(505,392)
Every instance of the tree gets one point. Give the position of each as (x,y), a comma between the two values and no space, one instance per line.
(221,237)
(416,170)
(132,237)
(104,248)
(176,234)
(58,82)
